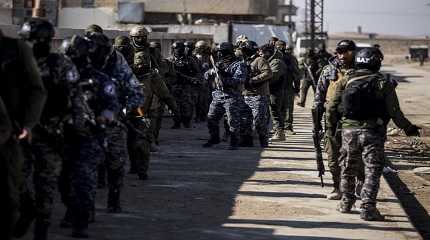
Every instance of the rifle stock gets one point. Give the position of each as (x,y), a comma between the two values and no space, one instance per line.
(316,119)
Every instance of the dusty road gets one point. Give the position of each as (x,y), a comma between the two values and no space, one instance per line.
(196,193)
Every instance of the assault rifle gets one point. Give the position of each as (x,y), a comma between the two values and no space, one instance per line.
(218,79)
(316,135)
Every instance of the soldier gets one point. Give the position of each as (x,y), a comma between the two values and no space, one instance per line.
(157,109)
(44,153)
(291,86)
(130,96)
(184,73)
(332,75)
(155,91)
(277,92)
(202,53)
(196,88)
(96,100)
(257,93)
(23,96)
(123,45)
(227,79)
(369,102)
(309,66)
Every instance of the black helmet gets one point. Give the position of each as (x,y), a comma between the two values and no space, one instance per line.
(226,47)
(37,29)
(178,44)
(189,44)
(345,45)
(369,58)
(249,48)
(100,49)
(75,47)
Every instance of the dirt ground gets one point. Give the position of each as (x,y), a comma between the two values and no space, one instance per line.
(407,155)
(265,194)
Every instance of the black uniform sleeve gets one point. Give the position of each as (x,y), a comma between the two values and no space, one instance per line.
(33,86)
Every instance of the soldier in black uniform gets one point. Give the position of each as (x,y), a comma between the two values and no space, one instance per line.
(184,73)
(22,98)
(44,153)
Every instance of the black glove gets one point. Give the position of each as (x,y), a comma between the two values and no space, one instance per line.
(412,130)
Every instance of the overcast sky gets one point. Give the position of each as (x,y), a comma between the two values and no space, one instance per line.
(399,17)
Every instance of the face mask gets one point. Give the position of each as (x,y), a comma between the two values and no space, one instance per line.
(178,52)
(41,49)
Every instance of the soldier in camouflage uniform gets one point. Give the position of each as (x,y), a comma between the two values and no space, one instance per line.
(202,53)
(123,45)
(330,77)
(257,93)
(291,86)
(158,107)
(22,98)
(309,67)
(227,81)
(184,74)
(97,109)
(277,92)
(369,102)
(130,96)
(155,91)
(44,154)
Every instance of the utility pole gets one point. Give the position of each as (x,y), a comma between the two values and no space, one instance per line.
(314,20)
(290,27)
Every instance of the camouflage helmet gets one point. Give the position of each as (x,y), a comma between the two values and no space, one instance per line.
(154,44)
(122,41)
(139,31)
(202,44)
(93,28)
(240,39)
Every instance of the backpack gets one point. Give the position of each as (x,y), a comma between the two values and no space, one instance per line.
(361,99)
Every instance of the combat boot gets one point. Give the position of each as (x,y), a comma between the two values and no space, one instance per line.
(114,201)
(279,135)
(290,131)
(212,141)
(264,142)
(334,195)
(371,213)
(40,231)
(345,207)
(234,142)
(246,141)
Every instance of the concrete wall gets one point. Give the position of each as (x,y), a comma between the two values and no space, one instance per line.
(5,16)
(82,17)
(219,32)
(394,49)
(166,39)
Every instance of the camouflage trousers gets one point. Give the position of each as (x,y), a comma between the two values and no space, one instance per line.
(259,106)
(139,142)
(82,155)
(224,104)
(277,108)
(332,148)
(362,146)
(305,84)
(184,99)
(42,165)
(116,154)
(288,109)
